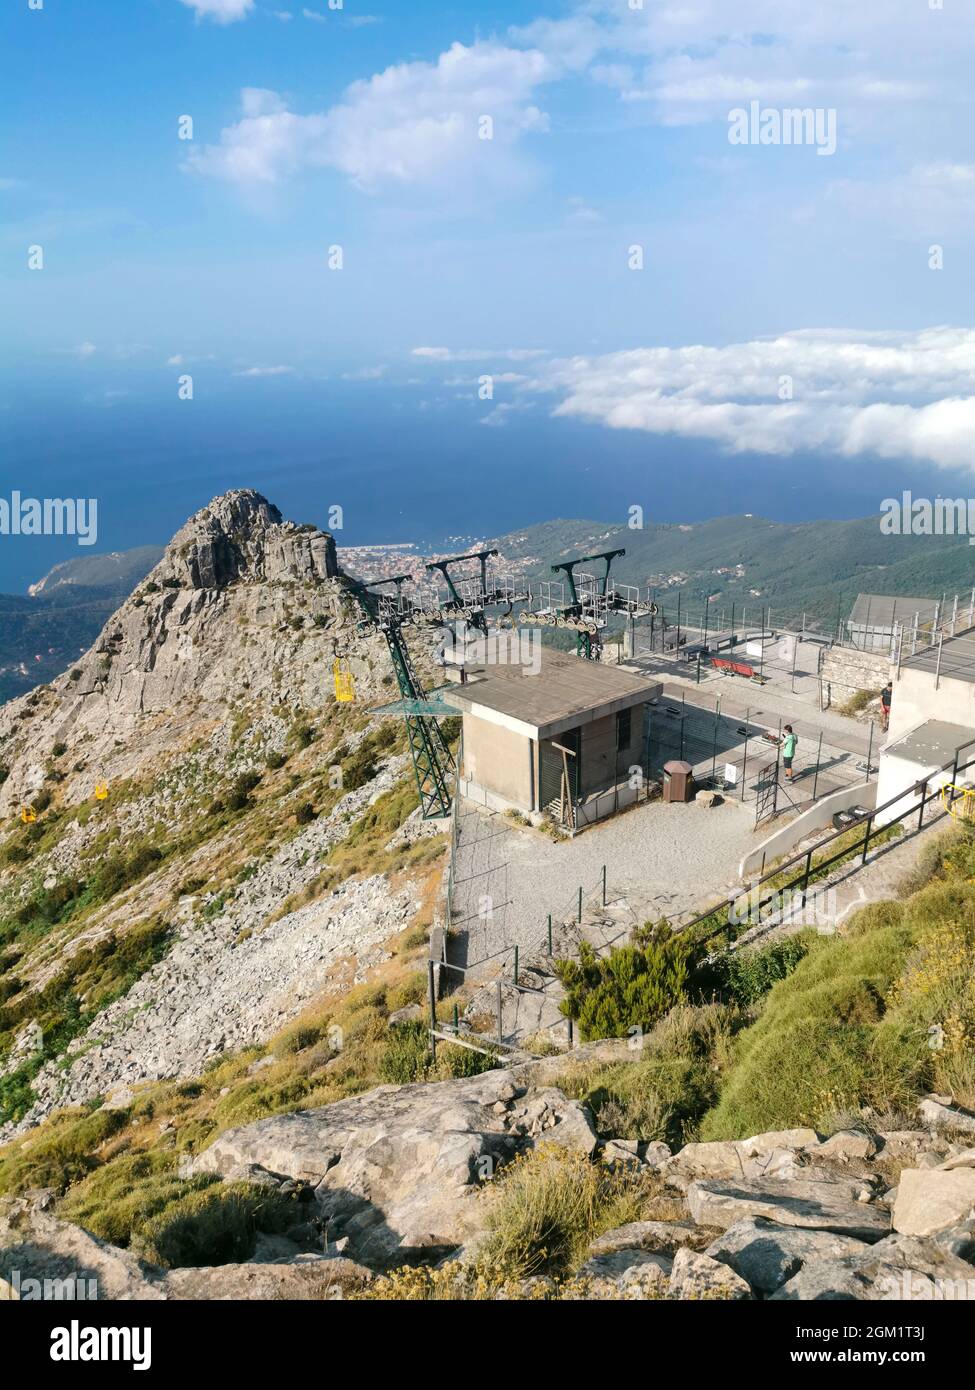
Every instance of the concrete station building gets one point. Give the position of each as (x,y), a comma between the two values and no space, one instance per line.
(932,723)
(518,721)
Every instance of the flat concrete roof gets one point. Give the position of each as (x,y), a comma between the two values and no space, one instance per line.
(883,610)
(564,693)
(956,661)
(933,743)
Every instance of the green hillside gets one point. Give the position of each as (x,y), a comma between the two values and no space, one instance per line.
(817,567)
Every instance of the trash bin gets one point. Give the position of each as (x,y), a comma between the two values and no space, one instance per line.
(678,781)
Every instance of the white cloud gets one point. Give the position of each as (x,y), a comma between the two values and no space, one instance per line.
(689,60)
(265,371)
(220,11)
(443,354)
(316,16)
(410,124)
(894,395)
(367,373)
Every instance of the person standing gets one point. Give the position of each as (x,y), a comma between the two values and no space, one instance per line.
(789,751)
(885,697)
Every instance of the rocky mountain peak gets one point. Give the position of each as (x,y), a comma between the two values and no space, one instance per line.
(241,536)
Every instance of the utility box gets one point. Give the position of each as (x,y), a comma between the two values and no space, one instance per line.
(678,781)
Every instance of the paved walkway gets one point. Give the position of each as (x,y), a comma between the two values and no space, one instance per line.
(660,861)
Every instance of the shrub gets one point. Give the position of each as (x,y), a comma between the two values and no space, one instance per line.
(275,760)
(217,1225)
(305,813)
(406,1056)
(630,988)
(240,793)
(669,1086)
(59,750)
(549,1205)
(746,975)
(121,870)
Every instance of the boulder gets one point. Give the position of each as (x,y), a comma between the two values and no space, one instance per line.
(717,1160)
(624,1151)
(844,1145)
(748,1158)
(50,1256)
(897,1268)
(932,1200)
(699,1276)
(766,1255)
(307,1279)
(662,1237)
(818,1206)
(400,1167)
(628,1274)
(938,1115)
(958,1241)
(964,1159)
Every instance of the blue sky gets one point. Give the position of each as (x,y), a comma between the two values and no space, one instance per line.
(466,258)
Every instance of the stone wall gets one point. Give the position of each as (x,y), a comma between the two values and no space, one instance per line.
(847,671)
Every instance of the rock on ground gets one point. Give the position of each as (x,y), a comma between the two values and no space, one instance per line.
(767,1255)
(820,1206)
(699,1276)
(400,1168)
(932,1200)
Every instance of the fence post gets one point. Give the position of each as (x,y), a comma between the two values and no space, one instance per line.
(819,758)
(432,988)
(500,1002)
(516,965)
(744,760)
(550,933)
(866,841)
(604,873)
(579,917)
(805,877)
(870,750)
(571,1036)
(924,793)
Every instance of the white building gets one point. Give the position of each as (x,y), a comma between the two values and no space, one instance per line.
(932,724)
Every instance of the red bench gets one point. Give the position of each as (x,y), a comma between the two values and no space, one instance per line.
(736,668)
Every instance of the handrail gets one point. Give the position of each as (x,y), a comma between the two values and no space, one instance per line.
(805,857)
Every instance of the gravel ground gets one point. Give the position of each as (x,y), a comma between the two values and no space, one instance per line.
(661,861)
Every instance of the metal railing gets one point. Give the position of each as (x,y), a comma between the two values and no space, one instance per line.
(810,868)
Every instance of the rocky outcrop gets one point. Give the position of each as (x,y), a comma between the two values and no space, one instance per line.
(399,1170)
(767,1254)
(699,1276)
(816,1206)
(42,1258)
(241,536)
(933,1200)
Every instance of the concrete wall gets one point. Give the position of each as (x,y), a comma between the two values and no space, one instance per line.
(846,671)
(903,775)
(600,758)
(916,700)
(783,841)
(501,760)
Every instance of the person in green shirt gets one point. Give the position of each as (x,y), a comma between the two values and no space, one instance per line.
(789,751)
